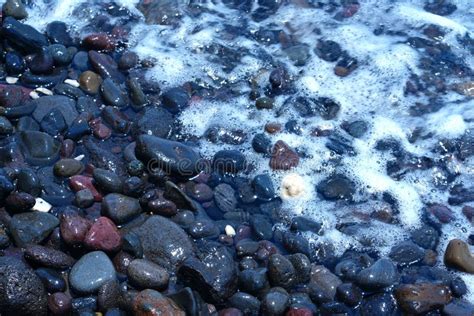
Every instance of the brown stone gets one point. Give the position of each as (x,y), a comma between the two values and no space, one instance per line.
(415,299)
(283,157)
(152,303)
(272,127)
(90,82)
(100,42)
(459,257)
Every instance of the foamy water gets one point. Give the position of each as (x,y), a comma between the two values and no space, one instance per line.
(374,92)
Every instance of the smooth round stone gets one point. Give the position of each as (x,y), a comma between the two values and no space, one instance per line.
(80,182)
(21,290)
(201,192)
(39,148)
(110,296)
(154,121)
(253,280)
(99,41)
(264,103)
(328,50)
(231,161)
(26,123)
(128,60)
(84,198)
(426,237)
(283,157)
(28,181)
(67,148)
(53,123)
(261,227)
(48,257)
(406,253)
(120,208)
(336,187)
(57,33)
(420,298)
(42,63)
(137,95)
(103,235)
(145,274)
(67,167)
(302,266)
(15,9)
(107,180)
(263,187)
(175,100)
(14,63)
(162,207)
(61,55)
(458,287)
(18,202)
(383,273)
(349,294)
(85,280)
(6,127)
(261,144)
(356,129)
(90,82)
(203,229)
(275,302)
(68,91)
(132,244)
(59,303)
(248,304)
(74,229)
(112,94)
(458,256)
(281,271)
(52,280)
(134,186)
(32,227)
(80,62)
(379,304)
(184,218)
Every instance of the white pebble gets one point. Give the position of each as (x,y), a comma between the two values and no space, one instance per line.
(42,206)
(34,95)
(44,91)
(79,158)
(11,80)
(292,186)
(72,82)
(230,231)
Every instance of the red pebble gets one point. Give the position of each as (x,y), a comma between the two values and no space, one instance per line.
(79,182)
(296,311)
(103,235)
(230,312)
(100,42)
(99,129)
(74,229)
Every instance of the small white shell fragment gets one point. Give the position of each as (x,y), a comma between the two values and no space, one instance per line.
(34,95)
(230,231)
(11,80)
(44,91)
(72,82)
(79,158)
(42,206)
(292,185)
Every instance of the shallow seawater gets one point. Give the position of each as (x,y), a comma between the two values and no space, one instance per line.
(410,88)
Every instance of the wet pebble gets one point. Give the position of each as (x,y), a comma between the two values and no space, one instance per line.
(18,202)
(52,280)
(145,274)
(32,227)
(113,94)
(383,273)
(59,303)
(85,280)
(120,208)
(283,157)
(275,302)
(74,229)
(151,300)
(336,187)
(48,257)
(245,302)
(103,235)
(422,297)
(406,253)
(90,82)
(224,197)
(67,167)
(458,256)
(15,9)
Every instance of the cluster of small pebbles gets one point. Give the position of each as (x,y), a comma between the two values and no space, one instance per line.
(100,216)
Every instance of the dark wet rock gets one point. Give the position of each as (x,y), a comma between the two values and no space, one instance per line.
(263,187)
(113,94)
(6,186)
(32,227)
(440,7)
(212,273)
(110,296)
(178,197)
(132,244)
(107,180)
(275,302)
(458,308)
(184,218)
(57,33)
(14,63)
(163,207)
(169,156)
(80,182)
(15,9)
(281,271)
(175,100)
(264,103)
(459,257)
(99,42)
(324,280)
(105,66)
(128,60)
(164,242)
(49,81)
(48,257)
(150,302)
(349,294)
(145,274)
(79,128)
(42,63)
(336,187)
(379,304)
(102,158)
(80,62)
(327,108)
(52,280)
(27,123)
(120,208)
(67,167)
(200,192)
(383,273)
(253,281)
(116,119)
(39,148)
(261,227)
(74,229)
(5,126)
(68,91)
(442,213)
(216,134)
(283,157)
(18,202)
(28,181)
(224,197)
(356,129)
(85,280)
(406,253)
(59,303)
(248,304)
(261,144)
(138,97)
(426,237)
(53,123)
(21,290)
(231,161)
(328,50)
(84,305)
(422,297)
(121,262)
(22,35)
(60,54)
(302,266)
(103,235)
(458,287)
(46,104)
(304,224)
(154,121)
(203,229)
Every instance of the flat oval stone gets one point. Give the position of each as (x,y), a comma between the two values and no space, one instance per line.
(103,235)
(147,275)
(23,35)
(48,257)
(87,280)
(32,227)
(120,208)
(112,94)
(67,167)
